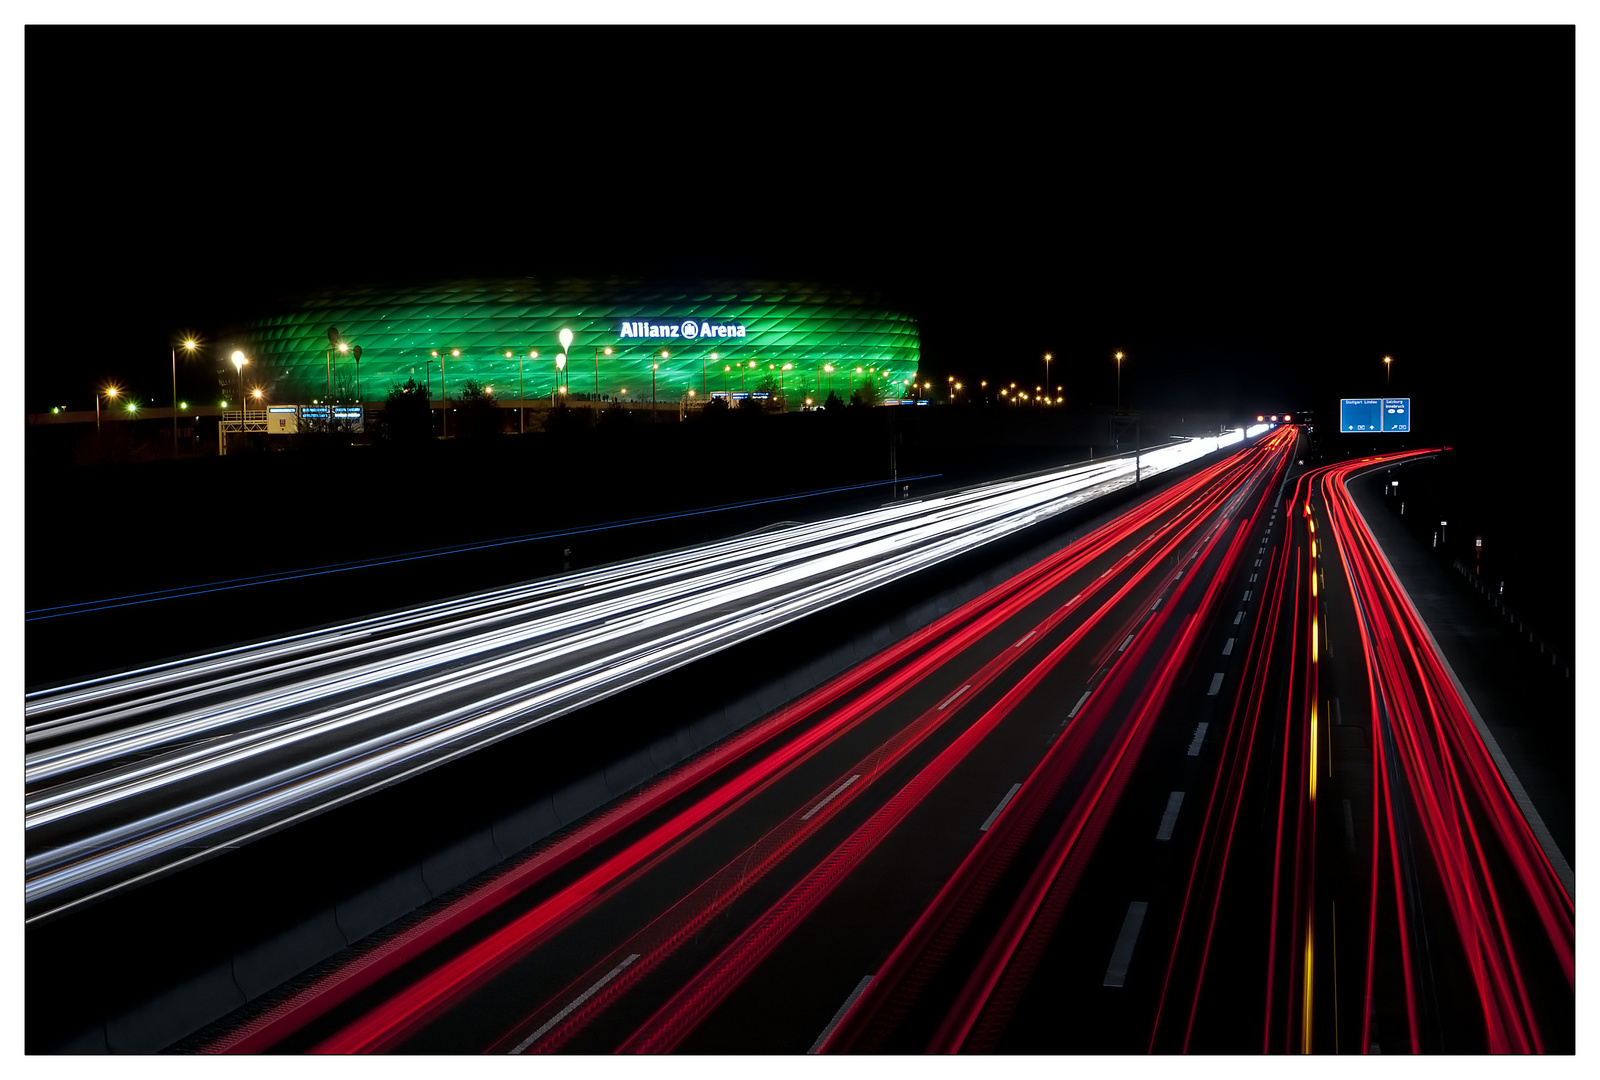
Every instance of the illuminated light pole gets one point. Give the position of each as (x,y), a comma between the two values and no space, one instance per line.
(653,369)
(564,336)
(742,387)
(829,369)
(355,351)
(239,362)
(561,367)
(1386,362)
(1047,368)
(522,411)
(327,359)
(597,369)
(1119,382)
(786,367)
(110,393)
(725,371)
(188,345)
(703,374)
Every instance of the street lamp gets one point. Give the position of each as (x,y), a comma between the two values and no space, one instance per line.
(189,344)
(597,369)
(239,362)
(1386,362)
(786,367)
(703,373)
(327,360)
(522,412)
(1119,382)
(110,393)
(653,369)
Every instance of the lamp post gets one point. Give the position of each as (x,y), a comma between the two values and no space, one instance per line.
(1386,362)
(703,374)
(522,412)
(239,362)
(355,351)
(597,351)
(653,369)
(1047,369)
(564,336)
(786,367)
(829,369)
(561,368)
(327,360)
(1119,382)
(110,393)
(725,370)
(189,344)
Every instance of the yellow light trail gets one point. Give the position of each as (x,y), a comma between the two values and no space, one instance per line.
(1313,752)
(1305,1019)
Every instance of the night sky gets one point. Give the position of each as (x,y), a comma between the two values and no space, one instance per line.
(1256,216)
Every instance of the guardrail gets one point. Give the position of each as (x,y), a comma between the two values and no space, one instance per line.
(1502,608)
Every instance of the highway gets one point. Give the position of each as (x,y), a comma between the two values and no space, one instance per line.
(1199,781)
(909,838)
(139,773)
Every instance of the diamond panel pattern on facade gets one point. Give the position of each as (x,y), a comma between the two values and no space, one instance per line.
(400,330)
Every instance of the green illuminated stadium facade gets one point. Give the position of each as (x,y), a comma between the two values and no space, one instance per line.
(709,333)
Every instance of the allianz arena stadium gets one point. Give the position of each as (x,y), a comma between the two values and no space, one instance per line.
(588,340)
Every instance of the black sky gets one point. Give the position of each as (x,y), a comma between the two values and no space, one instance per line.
(1255,215)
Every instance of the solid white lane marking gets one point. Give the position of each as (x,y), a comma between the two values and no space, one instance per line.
(990,820)
(1122,955)
(1079,705)
(1216,684)
(955,695)
(1024,638)
(1125,642)
(849,1001)
(579,1000)
(1227,650)
(829,797)
(1237,619)
(1199,737)
(1170,818)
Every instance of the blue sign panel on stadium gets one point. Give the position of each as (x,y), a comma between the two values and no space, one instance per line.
(1374,414)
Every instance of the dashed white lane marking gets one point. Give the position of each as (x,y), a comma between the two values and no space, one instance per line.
(1237,619)
(1252,577)
(1079,705)
(1199,737)
(849,1001)
(1258,562)
(992,818)
(1349,828)
(1125,642)
(1247,595)
(955,695)
(829,797)
(1024,639)
(1337,719)
(579,1000)
(1216,684)
(1156,604)
(1227,650)
(1170,818)
(1122,955)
